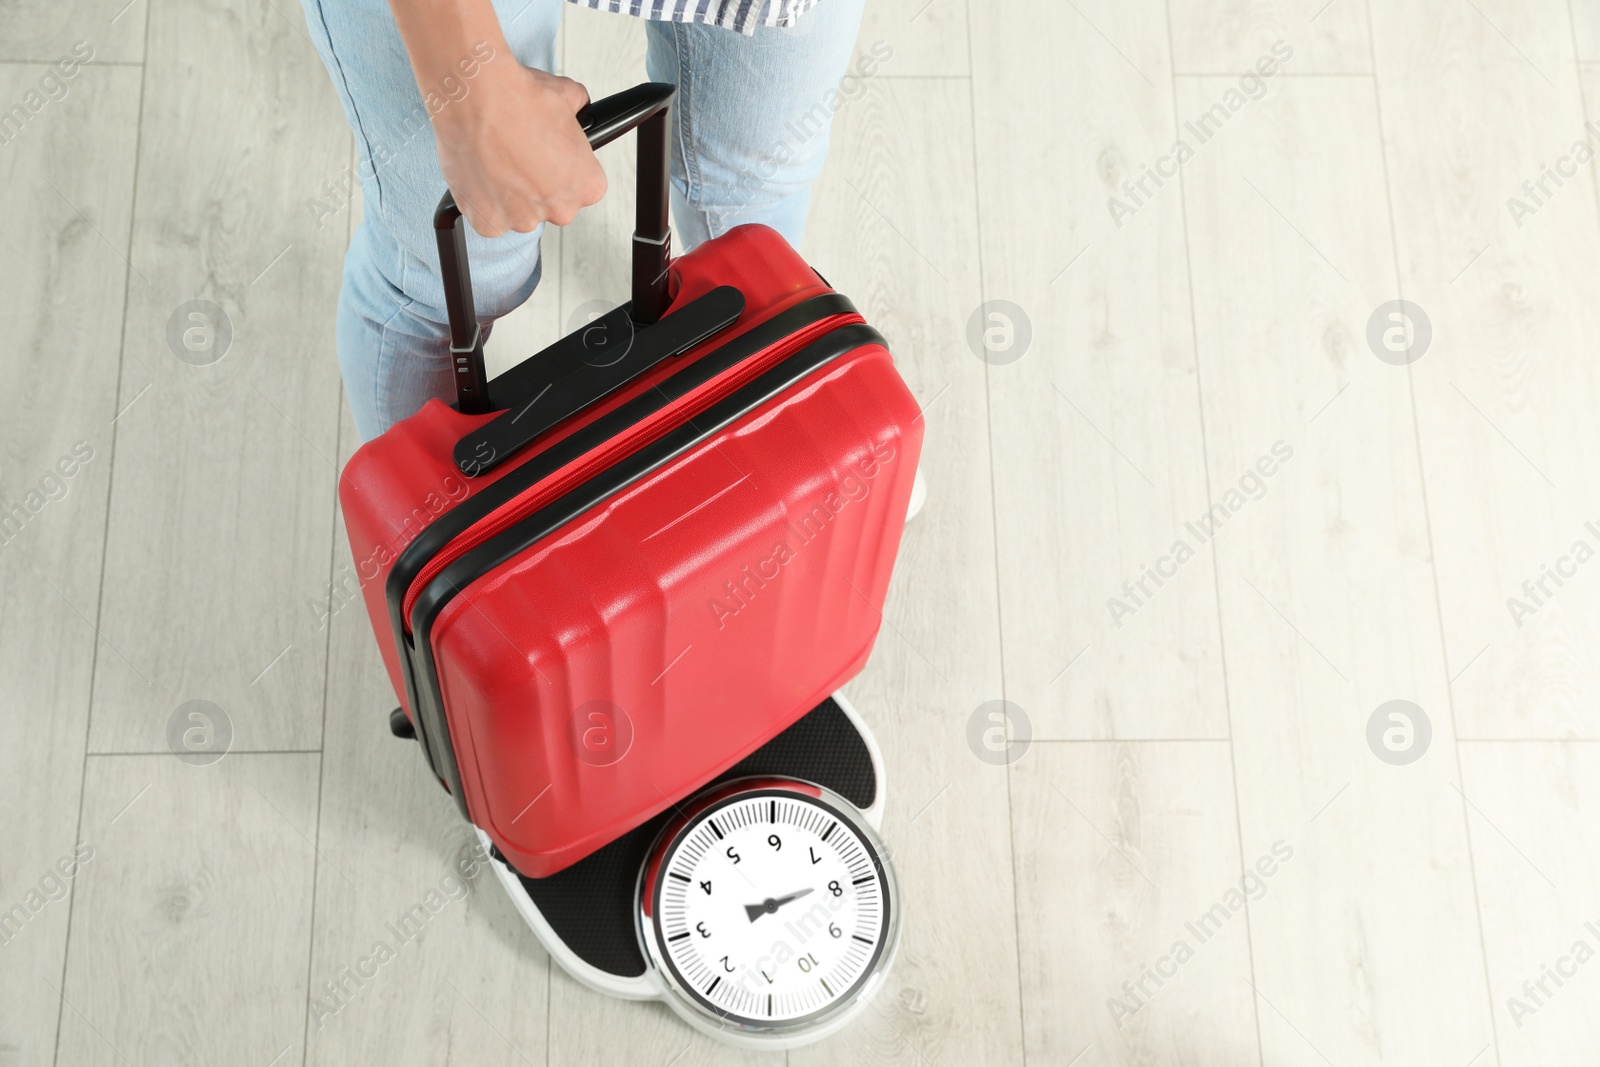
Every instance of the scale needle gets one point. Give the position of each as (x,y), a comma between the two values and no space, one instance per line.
(771,904)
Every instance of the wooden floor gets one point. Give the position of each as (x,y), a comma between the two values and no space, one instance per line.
(1197,532)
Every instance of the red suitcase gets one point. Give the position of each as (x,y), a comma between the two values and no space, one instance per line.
(605,577)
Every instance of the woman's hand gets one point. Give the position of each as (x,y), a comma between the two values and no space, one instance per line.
(510,147)
(512,151)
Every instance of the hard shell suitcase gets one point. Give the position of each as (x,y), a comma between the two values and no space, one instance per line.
(609,575)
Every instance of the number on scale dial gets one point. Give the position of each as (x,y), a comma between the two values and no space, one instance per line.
(771,907)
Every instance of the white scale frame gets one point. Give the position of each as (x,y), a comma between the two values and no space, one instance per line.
(658,983)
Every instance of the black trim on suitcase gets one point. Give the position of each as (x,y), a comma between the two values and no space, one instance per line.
(436,537)
(478,561)
(583,368)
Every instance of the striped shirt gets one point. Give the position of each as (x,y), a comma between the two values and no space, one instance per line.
(741,15)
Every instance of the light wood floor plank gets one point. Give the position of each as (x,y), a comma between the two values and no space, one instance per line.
(1230,36)
(586,1027)
(1098,454)
(928,38)
(1536,849)
(1327,595)
(60,369)
(894,227)
(465,981)
(221,512)
(43,31)
(1586,29)
(190,922)
(1506,395)
(1589,78)
(1123,853)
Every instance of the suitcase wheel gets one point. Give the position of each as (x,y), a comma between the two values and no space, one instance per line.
(401,726)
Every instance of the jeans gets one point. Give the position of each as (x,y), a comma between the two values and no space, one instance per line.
(750,133)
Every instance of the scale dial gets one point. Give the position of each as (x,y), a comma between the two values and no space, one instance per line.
(769,907)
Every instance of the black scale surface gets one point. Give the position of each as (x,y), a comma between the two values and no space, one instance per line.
(590,905)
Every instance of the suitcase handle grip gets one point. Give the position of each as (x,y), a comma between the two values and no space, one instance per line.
(603,121)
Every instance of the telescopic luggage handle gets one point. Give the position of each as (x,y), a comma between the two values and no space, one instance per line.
(603,121)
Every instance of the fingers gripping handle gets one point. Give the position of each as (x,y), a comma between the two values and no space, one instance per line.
(603,121)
